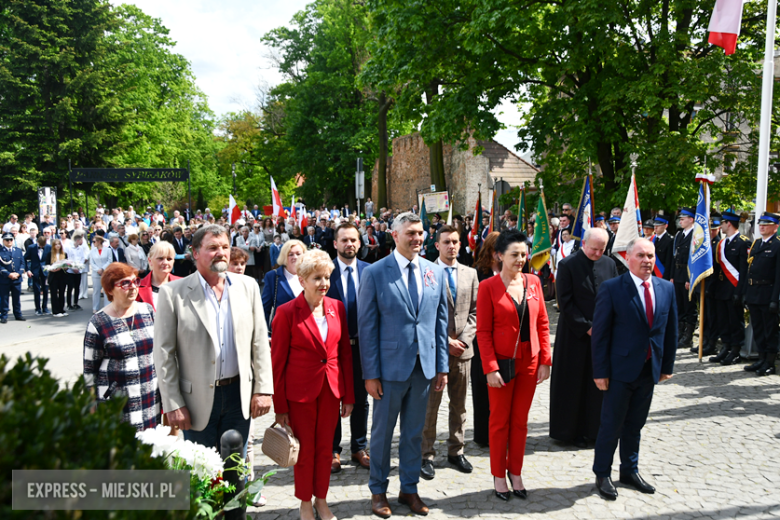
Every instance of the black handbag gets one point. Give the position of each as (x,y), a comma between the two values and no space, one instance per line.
(506,367)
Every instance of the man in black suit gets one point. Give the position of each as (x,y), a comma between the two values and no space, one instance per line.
(34,258)
(614,224)
(345,282)
(117,253)
(728,288)
(762,293)
(663,242)
(575,402)
(310,238)
(686,308)
(712,327)
(181,267)
(634,341)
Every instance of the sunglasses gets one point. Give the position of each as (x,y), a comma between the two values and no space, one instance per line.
(127,284)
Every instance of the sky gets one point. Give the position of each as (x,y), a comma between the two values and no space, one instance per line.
(222,42)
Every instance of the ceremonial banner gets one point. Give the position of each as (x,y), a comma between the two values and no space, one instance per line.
(725,23)
(585,212)
(521,209)
(492,207)
(437,202)
(700,259)
(540,253)
(630,223)
(276,200)
(475,233)
(424,215)
(47,202)
(234,214)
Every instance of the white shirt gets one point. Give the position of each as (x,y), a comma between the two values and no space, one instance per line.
(322,324)
(686,232)
(343,270)
(295,283)
(658,237)
(224,343)
(641,290)
(403,264)
(76,254)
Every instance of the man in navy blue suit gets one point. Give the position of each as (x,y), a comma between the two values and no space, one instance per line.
(634,341)
(34,258)
(402,324)
(345,284)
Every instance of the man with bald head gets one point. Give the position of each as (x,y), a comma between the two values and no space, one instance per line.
(575,402)
(634,341)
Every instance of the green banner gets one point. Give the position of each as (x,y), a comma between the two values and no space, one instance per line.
(540,253)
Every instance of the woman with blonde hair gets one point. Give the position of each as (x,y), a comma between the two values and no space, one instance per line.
(281,285)
(58,278)
(161,258)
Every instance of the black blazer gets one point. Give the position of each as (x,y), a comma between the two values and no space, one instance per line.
(35,264)
(665,254)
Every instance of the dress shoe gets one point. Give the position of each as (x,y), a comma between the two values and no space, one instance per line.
(362,459)
(755,366)
(3,320)
(77,307)
(733,358)
(38,313)
(460,463)
(768,366)
(20,318)
(580,442)
(380,506)
(335,465)
(721,355)
(519,493)
(426,470)
(414,502)
(503,495)
(637,482)
(606,488)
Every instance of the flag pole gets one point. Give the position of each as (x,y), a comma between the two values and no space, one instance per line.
(701,320)
(766,108)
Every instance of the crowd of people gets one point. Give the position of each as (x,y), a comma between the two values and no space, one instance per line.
(207,326)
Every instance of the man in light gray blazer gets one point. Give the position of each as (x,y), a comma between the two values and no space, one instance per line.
(211,348)
(462,285)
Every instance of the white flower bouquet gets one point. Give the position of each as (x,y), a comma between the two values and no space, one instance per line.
(207,487)
(63,264)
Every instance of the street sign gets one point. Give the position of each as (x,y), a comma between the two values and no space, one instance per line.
(433,187)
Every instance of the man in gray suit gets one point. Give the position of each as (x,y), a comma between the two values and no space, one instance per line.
(211,348)
(462,285)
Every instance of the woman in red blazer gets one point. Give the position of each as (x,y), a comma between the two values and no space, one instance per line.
(501,302)
(312,361)
(160,264)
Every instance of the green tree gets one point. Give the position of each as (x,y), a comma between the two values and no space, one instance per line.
(601,80)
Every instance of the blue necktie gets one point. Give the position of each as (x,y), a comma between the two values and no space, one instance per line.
(413,288)
(453,289)
(351,305)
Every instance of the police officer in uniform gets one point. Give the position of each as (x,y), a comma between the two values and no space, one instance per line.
(728,285)
(686,308)
(663,243)
(762,293)
(713,329)
(12,266)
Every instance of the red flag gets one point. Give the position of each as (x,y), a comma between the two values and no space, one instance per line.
(292,210)
(277,200)
(474,234)
(304,220)
(234,214)
(725,23)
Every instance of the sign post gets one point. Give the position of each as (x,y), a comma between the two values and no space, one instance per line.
(360,184)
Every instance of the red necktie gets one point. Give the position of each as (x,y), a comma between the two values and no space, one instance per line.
(649,313)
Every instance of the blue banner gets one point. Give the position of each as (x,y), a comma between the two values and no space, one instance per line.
(585,211)
(700,259)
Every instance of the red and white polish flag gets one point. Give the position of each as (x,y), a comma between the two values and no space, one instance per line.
(277,200)
(725,23)
(234,213)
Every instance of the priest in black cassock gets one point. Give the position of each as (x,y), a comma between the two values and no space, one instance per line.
(575,402)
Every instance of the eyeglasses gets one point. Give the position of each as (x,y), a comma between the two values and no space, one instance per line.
(127,284)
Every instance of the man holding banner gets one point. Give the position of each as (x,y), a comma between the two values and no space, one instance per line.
(729,288)
(686,308)
(763,291)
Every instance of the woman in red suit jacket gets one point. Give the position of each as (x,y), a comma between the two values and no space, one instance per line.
(160,257)
(501,302)
(312,361)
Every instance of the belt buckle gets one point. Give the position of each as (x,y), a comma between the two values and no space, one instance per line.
(750,282)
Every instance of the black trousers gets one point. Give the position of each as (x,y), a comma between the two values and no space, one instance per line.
(73,283)
(732,322)
(358,421)
(713,329)
(12,288)
(766,330)
(480,399)
(686,309)
(57,284)
(40,290)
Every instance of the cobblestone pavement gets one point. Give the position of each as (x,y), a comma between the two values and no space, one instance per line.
(711,447)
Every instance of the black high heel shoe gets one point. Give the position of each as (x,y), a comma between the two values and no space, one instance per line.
(503,495)
(519,493)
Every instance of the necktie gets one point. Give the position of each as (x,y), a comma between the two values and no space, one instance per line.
(648,312)
(351,304)
(453,289)
(413,288)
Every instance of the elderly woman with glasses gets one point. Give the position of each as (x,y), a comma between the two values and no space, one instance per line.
(118,343)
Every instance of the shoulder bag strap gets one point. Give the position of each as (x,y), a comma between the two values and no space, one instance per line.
(525,304)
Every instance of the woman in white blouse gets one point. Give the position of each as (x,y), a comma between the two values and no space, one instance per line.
(99,258)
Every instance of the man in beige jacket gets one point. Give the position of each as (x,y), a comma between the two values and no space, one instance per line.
(462,305)
(211,348)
